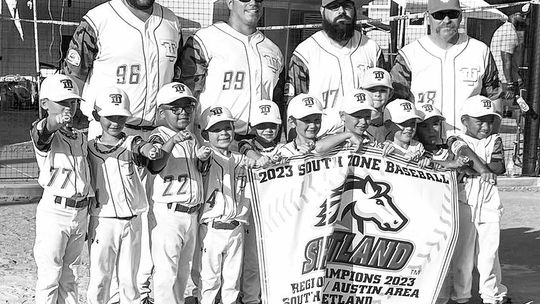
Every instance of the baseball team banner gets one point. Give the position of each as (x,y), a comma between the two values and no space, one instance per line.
(353,228)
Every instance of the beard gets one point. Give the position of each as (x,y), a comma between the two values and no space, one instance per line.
(141,4)
(340,31)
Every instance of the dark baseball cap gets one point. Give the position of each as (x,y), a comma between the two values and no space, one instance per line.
(326,2)
(443,5)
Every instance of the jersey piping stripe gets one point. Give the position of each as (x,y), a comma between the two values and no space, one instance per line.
(188,170)
(222,177)
(73,165)
(122,180)
(145,66)
(339,64)
(106,176)
(249,69)
(441,66)
(454,120)
(301,58)
(94,27)
(203,47)
(158,65)
(355,79)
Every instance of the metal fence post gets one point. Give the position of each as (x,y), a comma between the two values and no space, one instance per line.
(531,130)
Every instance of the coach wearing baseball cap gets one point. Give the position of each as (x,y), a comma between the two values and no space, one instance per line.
(445,67)
(331,63)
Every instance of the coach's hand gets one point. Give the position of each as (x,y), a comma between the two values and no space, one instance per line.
(489,177)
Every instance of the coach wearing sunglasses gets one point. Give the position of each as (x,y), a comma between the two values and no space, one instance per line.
(445,67)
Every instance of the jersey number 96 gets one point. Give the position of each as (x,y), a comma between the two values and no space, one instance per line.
(233,81)
(128,74)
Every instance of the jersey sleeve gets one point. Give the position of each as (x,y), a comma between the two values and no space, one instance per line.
(490,82)
(82,51)
(136,145)
(194,64)
(178,63)
(381,63)
(401,78)
(41,136)
(297,81)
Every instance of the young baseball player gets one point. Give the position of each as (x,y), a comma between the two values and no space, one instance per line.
(378,83)
(480,208)
(64,174)
(225,210)
(355,112)
(114,235)
(177,193)
(266,121)
(400,117)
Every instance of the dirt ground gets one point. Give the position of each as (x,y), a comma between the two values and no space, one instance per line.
(519,250)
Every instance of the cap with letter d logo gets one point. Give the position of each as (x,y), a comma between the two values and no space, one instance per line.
(112,101)
(374,77)
(304,105)
(400,110)
(212,116)
(427,110)
(478,106)
(175,92)
(358,100)
(266,111)
(58,87)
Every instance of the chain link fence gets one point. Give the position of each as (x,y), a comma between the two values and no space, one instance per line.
(34,42)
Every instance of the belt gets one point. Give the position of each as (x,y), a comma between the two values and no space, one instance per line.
(140,128)
(69,202)
(182,208)
(224,225)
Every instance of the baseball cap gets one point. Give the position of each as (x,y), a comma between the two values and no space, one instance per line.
(304,105)
(326,2)
(427,110)
(400,110)
(358,100)
(213,115)
(172,92)
(58,87)
(443,5)
(374,77)
(112,101)
(265,111)
(478,106)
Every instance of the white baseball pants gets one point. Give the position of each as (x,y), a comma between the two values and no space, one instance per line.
(60,233)
(220,263)
(115,247)
(477,245)
(173,245)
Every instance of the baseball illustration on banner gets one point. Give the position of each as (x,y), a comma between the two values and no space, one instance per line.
(364,233)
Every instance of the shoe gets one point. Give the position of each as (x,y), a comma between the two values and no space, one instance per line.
(191,300)
(147,300)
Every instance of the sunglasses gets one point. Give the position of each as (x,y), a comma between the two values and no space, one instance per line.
(178,110)
(337,4)
(246,1)
(452,14)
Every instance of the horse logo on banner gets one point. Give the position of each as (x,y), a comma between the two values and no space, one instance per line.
(366,200)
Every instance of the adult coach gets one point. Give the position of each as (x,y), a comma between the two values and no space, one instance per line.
(507,49)
(445,67)
(134,45)
(331,62)
(232,64)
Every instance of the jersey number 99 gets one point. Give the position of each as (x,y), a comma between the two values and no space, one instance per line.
(233,81)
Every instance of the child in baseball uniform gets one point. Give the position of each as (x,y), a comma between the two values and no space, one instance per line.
(401,118)
(265,123)
(114,236)
(64,174)
(480,207)
(177,193)
(225,210)
(378,83)
(356,111)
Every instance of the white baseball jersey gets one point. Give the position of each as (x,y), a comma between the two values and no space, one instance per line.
(63,165)
(445,78)
(321,67)
(180,181)
(113,46)
(483,197)
(119,190)
(225,189)
(230,69)
(251,144)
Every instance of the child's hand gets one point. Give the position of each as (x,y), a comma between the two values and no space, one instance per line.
(203,153)
(489,177)
(248,162)
(423,162)
(181,136)
(387,148)
(64,117)
(154,152)
(355,141)
(306,148)
(460,161)
(263,161)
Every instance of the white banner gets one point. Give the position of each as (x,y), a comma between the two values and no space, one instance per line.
(353,228)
